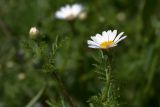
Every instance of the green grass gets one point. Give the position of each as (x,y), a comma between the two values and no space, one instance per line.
(27,65)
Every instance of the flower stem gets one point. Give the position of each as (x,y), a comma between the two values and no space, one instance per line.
(63,89)
(72,26)
(108,76)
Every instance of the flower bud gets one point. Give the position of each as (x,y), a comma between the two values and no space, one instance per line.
(121,16)
(21,76)
(33,33)
(83,15)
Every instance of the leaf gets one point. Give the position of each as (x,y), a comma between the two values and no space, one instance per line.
(37,97)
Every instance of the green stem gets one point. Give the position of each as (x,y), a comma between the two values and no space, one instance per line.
(108,91)
(63,89)
(108,77)
(102,54)
(72,26)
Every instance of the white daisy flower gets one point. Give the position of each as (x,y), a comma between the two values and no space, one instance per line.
(69,12)
(106,40)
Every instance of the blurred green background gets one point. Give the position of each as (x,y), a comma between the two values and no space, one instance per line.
(135,61)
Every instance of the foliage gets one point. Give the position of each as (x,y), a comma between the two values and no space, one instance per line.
(56,69)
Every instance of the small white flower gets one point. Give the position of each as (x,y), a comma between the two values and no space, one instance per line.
(69,12)
(106,40)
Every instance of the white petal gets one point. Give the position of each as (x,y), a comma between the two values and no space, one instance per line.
(92,46)
(115,40)
(98,38)
(64,12)
(95,39)
(67,8)
(67,11)
(114,33)
(92,43)
(59,15)
(76,9)
(104,33)
(120,39)
(109,33)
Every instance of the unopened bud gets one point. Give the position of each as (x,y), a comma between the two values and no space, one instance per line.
(21,76)
(10,64)
(121,16)
(101,19)
(33,33)
(82,15)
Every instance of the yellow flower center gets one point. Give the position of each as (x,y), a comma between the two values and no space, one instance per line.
(106,44)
